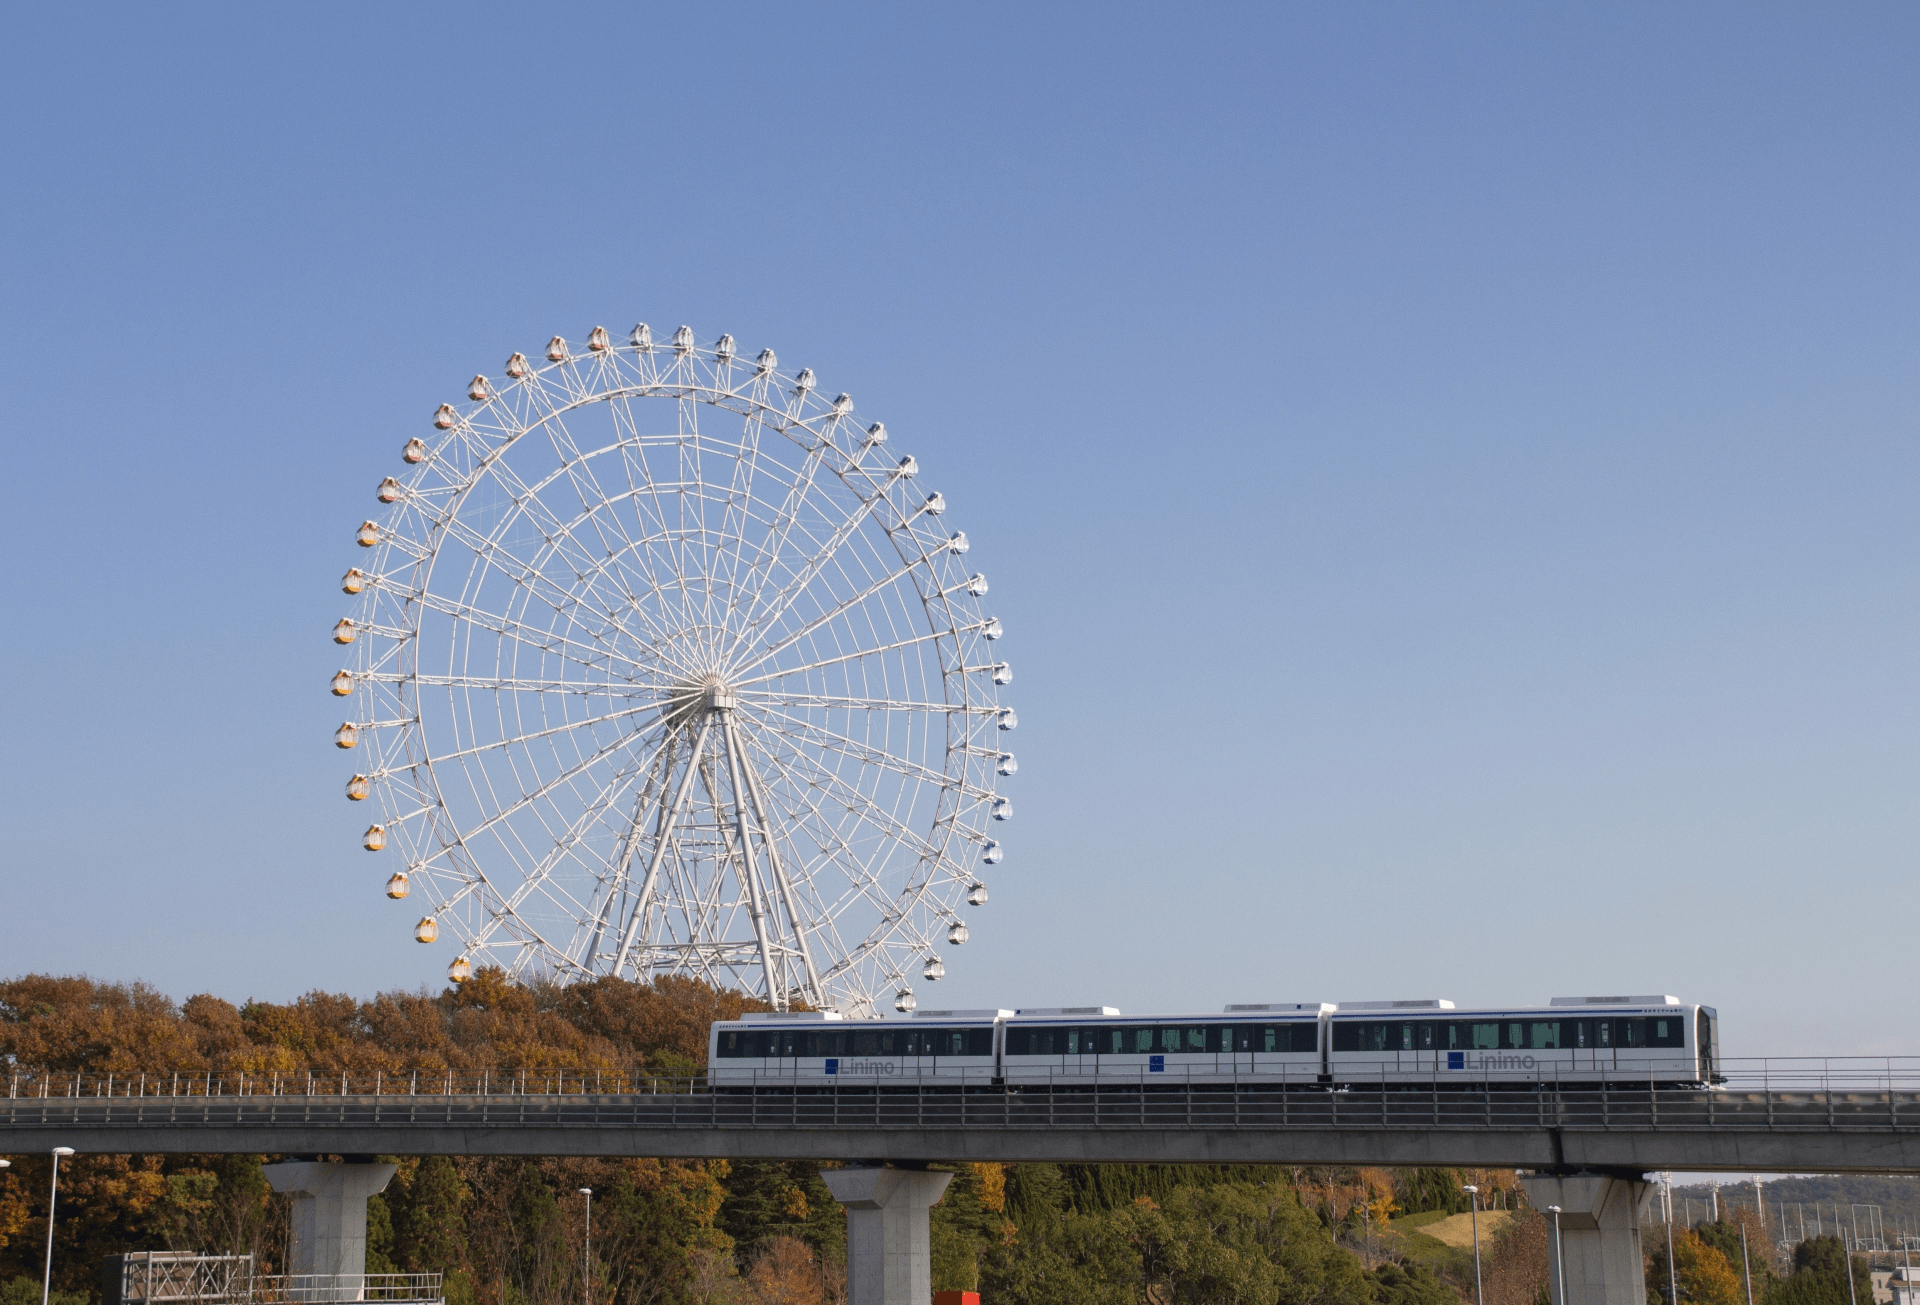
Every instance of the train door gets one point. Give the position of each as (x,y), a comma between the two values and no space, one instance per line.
(1428,1035)
(1706,1044)
(1080,1057)
(1184,1048)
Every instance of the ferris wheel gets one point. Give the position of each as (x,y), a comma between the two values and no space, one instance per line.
(665,664)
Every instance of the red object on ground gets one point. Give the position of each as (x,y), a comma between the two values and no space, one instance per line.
(956,1298)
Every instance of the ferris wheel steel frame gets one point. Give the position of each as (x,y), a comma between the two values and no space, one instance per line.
(644,696)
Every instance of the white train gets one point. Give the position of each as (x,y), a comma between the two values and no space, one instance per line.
(1621,1041)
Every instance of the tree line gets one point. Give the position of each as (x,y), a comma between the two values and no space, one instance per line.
(510,1231)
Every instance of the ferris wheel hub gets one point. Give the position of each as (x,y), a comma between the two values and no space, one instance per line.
(691,699)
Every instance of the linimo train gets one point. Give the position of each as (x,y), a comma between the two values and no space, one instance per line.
(1620,1041)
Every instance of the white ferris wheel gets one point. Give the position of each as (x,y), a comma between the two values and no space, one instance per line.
(666,664)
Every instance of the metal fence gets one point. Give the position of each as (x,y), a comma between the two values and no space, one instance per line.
(1822,1076)
(924,1106)
(164,1276)
(330,1288)
(189,1278)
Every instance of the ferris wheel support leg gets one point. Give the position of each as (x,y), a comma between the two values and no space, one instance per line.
(660,848)
(633,839)
(754,791)
(776,983)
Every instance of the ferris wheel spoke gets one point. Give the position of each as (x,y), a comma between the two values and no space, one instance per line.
(786,519)
(578,467)
(540,874)
(845,702)
(878,586)
(525,572)
(857,654)
(514,684)
(813,568)
(821,736)
(863,882)
(598,659)
(565,727)
(861,806)
(797,795)
(539,793)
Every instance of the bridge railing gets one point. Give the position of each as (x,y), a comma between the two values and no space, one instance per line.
(335,1288)
(1777,1074)
(1128,1105)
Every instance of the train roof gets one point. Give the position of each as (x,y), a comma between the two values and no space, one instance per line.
(1373,1010)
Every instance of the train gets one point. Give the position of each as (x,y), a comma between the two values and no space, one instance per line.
(1620,1041)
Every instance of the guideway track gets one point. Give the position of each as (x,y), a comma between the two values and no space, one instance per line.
(1543,1129)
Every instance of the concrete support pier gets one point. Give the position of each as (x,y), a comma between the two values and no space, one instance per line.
(889,1258)
(1599,1236)
(329,1216)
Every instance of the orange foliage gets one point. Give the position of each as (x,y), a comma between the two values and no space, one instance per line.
(488,1023)
(785,1273)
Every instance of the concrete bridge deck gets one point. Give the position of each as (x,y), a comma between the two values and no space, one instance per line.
(1494,1127)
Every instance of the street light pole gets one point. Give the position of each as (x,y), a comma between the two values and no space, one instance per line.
(1559,1260)
(1673,1281)
(46,1283)
(586,1268)
(1474,1192)
(1746,1264)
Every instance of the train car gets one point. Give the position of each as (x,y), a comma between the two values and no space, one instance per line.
(1623,1041)
(787,1049)
(1084,1046)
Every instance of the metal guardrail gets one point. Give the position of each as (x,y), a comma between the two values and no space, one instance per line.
(332,1288)
(1129,1107)
(1791,1075)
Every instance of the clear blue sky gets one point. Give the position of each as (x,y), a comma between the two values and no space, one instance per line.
(1447,471)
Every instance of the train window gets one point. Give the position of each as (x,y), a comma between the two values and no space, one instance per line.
(1603,1032)
(1366,1035)
(1477,1037)
(729,1045)
(1186,1038)
(823,1043)
(1423,1035)
(950,1042)
(1666,1032)
(1629,1033)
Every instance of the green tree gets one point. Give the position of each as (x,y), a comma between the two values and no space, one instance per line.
(1819,1276)
(1410,1284)
(767,1199)
(26,1291)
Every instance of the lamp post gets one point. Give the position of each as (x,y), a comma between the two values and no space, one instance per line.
(1559,1260)
(1673,1281)
(1474,1192)
(46,1283)
(1746,1264)
(586,1267)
